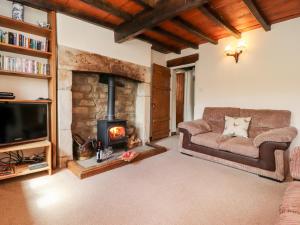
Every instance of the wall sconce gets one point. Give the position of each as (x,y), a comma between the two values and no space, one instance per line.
(229,51)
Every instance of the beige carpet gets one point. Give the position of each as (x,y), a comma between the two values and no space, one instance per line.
(168,189)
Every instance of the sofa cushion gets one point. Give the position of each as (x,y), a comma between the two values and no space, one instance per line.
(195,127)
(291,199)
(236,126)
(241,146)
(265,120)
(210,140)
(215,116)
(289,219)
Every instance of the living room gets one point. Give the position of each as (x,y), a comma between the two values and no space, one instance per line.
(149,112)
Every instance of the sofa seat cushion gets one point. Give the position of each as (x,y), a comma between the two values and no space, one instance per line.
(289,219)
(210,139)
(241,146)
(291,199)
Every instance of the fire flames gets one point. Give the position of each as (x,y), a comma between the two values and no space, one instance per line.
(116,132)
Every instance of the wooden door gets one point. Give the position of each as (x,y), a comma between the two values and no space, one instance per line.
(180,80)
(160,114)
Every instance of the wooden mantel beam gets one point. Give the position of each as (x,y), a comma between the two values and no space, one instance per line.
(164,10)
(214,16)
(257,14)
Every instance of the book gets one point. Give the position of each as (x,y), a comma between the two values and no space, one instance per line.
(17,64)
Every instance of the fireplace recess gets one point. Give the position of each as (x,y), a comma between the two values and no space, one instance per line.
(111,131)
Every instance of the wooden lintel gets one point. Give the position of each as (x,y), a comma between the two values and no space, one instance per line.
(190,28)
(256,12)
(158,45)
(183,60)
(164,10)
(214,16)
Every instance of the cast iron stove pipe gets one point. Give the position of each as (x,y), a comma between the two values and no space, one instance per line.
(111,99)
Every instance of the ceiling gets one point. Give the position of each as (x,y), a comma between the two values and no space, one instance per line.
(173,25)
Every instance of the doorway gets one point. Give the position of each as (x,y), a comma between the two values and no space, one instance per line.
(182,96)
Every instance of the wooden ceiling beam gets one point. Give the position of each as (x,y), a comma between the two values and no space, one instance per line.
(142,3)
(194,30)
(214,16)
(175,37)
(108,7)
(256,12)
(158,45)
(164,10)
(51,6)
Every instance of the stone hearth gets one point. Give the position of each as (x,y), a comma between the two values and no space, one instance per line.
(85,65)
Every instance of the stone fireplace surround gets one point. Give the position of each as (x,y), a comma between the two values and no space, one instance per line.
(76,61)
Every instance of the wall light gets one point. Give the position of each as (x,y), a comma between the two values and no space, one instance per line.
(229,51)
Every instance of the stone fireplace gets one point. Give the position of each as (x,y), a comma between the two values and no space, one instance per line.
(89,98)
(82,99)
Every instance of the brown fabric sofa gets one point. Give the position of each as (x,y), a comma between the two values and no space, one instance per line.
(262,153)
(290,207)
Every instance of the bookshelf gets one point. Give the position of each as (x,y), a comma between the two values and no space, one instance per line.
(24,51)
(24,27)
(20,74)
(51,79)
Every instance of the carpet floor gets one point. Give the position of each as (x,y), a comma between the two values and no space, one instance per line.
(167,189)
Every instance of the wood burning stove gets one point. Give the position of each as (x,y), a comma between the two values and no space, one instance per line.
(111,131)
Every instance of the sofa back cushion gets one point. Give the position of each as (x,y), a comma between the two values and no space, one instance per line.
(215,116)
(264,120)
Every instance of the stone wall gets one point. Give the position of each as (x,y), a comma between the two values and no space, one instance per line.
(89,99)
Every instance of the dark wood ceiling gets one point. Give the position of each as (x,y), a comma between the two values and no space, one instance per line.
(173,25)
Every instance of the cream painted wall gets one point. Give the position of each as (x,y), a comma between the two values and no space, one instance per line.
(78,34)
(158,58)
(267,76)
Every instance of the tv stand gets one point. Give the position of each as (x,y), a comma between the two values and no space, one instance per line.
(23,169)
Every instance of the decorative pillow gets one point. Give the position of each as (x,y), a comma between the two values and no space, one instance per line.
(236,127)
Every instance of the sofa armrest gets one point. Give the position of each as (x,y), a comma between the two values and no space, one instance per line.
(282,135)
(195,127)
(295,163)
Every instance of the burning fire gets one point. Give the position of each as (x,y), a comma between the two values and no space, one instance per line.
(116,132)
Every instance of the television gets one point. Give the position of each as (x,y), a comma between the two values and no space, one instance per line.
(23,122)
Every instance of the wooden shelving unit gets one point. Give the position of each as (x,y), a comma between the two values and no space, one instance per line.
(24,27)
(23,169)
(51,56)
(20,74)
(24,51)
(25,101)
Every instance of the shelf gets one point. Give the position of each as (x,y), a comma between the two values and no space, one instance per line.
(18,147)
(23,170)
(25,101)
(27,75)
(23,26)
(24,51)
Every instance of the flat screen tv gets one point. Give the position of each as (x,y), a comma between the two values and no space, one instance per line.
(22,122)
